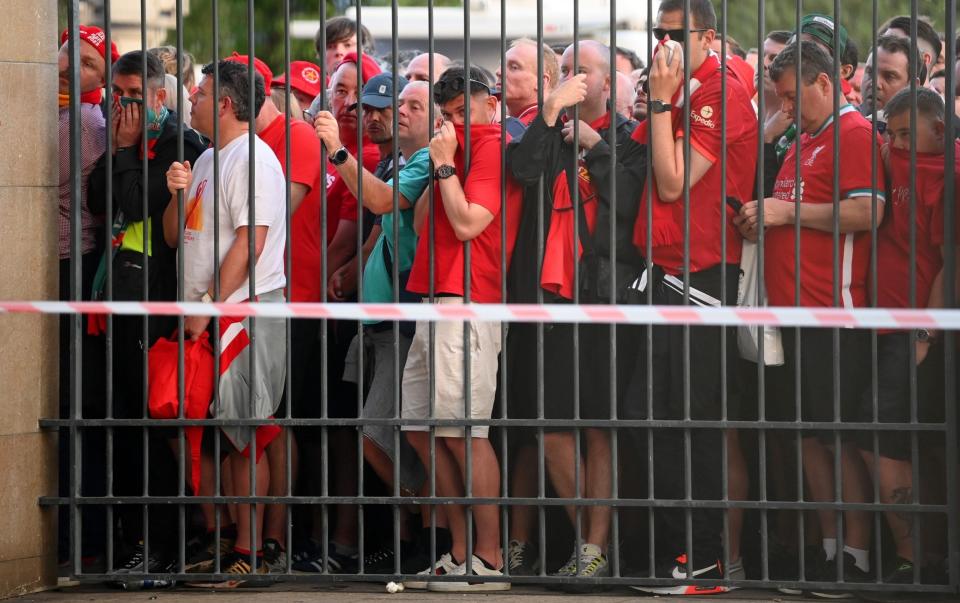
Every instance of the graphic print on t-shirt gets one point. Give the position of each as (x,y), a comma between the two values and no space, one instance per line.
(194,220)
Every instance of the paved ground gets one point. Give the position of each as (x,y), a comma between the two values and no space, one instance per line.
(361,593)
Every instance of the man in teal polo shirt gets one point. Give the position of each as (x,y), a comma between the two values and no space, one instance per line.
(383,252)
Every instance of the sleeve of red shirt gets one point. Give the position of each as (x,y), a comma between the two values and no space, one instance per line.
(856,164)
(705,124)
(305,154)
(348,209)
(483,182)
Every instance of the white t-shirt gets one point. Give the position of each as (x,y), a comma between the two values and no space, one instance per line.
(269,199)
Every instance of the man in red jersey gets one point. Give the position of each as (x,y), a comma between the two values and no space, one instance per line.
(711,270)
(917,205)
(466,208)
(817,284)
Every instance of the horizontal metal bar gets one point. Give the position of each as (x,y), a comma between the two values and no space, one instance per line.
(516,423)
(253,579)
(477,500)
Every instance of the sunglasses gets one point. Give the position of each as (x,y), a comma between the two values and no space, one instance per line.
(456,85)
(677,35)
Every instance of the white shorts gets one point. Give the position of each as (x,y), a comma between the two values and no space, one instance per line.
(449,402)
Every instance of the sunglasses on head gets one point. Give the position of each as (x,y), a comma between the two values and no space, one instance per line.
(677,35)
(457,84)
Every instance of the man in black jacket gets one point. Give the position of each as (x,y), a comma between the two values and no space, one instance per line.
(144,269)
(577,198)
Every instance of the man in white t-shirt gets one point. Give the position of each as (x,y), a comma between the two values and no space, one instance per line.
(236,206)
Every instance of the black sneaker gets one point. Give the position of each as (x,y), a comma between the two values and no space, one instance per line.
(784,565)
(380,561)
(274,556)
(851,575)
(522,560)
(678,571)
(139,563)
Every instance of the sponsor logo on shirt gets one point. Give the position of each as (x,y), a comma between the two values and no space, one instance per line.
(704,116)
(901,195)
(785,190)
(194,210)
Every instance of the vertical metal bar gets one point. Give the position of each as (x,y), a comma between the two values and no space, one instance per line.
(324,325)
(950,300)
(575,199)
(181,482)
(145,208)
(359,242)
(687,444)
(724,436)
(217,466)
(467,265)
(613,551)
(431,292)
(504,356)
(648,368)
(837,417)
(288,270)
(541,469)
(761,299)
(252,271)
(798,407)
(216,285)
(395,275)
(76,344)
(108,229)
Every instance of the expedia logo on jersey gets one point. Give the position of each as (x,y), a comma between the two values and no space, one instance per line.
(704,116)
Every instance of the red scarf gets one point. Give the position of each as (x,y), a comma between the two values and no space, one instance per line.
(666,230)
(558,257)
(94,97)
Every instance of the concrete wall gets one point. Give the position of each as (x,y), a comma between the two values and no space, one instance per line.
(28,270)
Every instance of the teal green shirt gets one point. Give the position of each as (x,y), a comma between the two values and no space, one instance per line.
(411,182)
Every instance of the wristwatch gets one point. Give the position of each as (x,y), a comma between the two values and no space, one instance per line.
(444,171)
(340,156)
(660,106)
(207,298)
(925,336)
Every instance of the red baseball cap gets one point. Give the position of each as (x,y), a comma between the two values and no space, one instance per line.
(304,77)
(259,65)
(370,66)
(94,36)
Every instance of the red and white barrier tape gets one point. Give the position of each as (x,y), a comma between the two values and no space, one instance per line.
(868,318)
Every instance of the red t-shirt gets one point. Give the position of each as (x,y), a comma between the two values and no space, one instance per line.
(304,280)
(893,237)
(816,247)
(482,187)
(707,209)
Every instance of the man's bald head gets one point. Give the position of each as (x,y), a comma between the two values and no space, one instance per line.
(418,70)
(594,62)
(594,48)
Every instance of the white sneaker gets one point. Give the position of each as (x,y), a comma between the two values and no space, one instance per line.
(442,567)
(477,568)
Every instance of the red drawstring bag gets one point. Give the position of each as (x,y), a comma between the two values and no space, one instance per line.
(197,387)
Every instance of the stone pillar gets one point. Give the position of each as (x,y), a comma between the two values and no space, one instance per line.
(28,271)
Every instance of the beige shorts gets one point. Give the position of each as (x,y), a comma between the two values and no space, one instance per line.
(449,401)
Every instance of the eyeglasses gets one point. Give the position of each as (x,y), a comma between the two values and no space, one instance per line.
(677,35)
(444,88)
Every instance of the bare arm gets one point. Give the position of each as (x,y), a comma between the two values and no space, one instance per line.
(855,214)
(343,246)
(297,193)
(467,219)
(377,194)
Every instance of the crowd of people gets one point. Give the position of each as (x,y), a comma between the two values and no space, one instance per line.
(371,174)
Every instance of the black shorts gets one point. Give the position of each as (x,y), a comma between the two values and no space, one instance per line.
(558,370)
(706,348)
(893,402)
(817,377)
(305,380)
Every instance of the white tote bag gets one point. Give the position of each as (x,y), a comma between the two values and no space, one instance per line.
(748,336)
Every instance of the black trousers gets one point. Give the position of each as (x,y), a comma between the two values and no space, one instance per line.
(704,374)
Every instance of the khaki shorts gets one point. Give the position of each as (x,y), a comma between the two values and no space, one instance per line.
(448,389)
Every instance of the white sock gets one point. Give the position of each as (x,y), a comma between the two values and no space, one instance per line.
(830,548)
(862,557)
